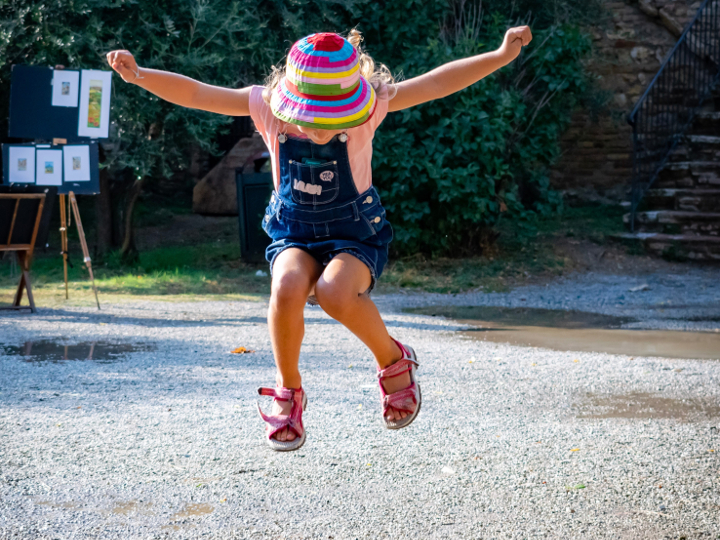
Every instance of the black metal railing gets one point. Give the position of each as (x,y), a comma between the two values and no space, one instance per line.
(667,108)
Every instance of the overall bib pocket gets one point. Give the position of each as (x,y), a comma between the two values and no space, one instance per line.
(314,184)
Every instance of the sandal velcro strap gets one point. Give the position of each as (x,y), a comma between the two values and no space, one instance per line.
(398,368)
(281,393)
(404,400)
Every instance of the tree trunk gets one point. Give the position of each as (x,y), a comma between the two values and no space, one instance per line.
(128,252)
(103,216)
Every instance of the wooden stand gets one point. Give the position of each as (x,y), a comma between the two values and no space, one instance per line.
(83,242)
(63,241)
(23,251)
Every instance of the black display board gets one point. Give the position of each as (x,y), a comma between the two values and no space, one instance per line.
(32,115)
(91,187)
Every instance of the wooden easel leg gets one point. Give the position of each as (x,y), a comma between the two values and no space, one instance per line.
(21,283)
(64,241)
(24,282)
(83,244)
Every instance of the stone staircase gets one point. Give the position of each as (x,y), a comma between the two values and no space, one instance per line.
(680,216)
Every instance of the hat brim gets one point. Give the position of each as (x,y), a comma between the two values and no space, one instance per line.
(354,108)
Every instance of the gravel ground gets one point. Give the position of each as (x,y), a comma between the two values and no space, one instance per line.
(512,442)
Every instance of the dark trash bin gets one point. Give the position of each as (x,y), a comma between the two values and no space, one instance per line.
(254,187)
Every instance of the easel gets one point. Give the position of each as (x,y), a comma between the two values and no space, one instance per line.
(37,112)
(23,251)
(83,242)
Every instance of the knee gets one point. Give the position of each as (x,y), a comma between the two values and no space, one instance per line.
(335,298)
(289,290)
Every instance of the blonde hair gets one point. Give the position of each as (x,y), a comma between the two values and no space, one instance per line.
(376,74)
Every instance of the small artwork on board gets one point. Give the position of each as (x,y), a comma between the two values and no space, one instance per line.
(65,88)
(94,118)
(23,171)
(49,171)
(95,103)
(76,163)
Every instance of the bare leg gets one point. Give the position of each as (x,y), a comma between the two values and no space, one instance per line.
(339,292)
(294,275)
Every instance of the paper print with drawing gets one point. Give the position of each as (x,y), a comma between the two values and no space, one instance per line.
(94,119)
(66,87)
(22,164)
(76,163)
(49,167)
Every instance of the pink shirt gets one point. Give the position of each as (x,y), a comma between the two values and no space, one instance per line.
(359,143)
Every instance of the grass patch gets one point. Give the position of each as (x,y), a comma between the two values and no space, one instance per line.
(522,250)
(207,270)
(214,270)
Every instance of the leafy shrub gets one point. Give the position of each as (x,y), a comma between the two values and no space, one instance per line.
(448,170)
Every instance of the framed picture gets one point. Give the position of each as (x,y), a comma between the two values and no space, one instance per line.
(48,168)
(76,163)
(21,165)
(94,118)
(66,88)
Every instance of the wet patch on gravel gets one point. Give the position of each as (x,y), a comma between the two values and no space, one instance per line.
(59,351)
(645,405)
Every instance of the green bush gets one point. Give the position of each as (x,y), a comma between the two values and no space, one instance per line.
(447,170)
(450,169)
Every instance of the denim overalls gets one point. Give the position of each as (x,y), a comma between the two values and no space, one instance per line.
(319,210)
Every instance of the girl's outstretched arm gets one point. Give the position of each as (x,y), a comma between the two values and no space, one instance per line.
(181,90)
(454,76)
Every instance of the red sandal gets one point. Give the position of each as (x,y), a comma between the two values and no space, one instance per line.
(292,421)
(408,399)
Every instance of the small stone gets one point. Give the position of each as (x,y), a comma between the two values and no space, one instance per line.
(639,288)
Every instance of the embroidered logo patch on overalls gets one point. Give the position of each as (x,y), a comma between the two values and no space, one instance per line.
(308,188)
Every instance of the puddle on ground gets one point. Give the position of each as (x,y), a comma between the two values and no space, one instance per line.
(53,351)
(177,527)
(131,507)
(576,331)
(646,406)
(67,505)
(193,510)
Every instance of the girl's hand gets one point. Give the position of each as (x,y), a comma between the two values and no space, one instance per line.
(515,40)
(124,63)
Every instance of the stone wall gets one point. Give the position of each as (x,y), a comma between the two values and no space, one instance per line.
(629,49)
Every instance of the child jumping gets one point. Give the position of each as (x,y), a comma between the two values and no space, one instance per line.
(328,228)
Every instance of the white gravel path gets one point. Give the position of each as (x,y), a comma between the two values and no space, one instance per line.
(167,443)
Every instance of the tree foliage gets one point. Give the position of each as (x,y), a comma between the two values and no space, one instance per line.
(447,170)
(215,41)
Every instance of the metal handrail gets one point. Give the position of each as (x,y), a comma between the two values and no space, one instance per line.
(670,103)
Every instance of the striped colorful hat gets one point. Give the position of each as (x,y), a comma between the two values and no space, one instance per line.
(322,87)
